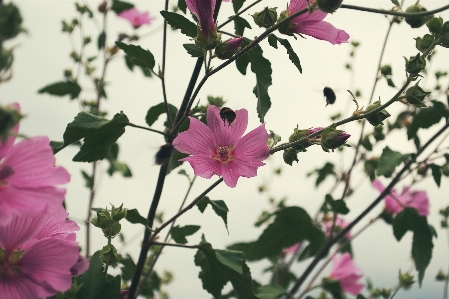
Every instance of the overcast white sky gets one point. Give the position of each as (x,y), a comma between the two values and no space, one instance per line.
(43,53)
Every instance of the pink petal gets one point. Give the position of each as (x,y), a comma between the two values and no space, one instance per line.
(324,31)
(296,5)
(226,135)
(192,6)
(305,18)
(33,162)
(237,168)
(57,225)
(204,166)
(48,263)
(253,144)
(20,287)
(80,267)
(135,17)
(28,201)
(198,139)
(20,230)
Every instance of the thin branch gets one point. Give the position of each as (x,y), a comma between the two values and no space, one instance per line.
(396,13)
(162,76)
(175,245)
(238,14)
(145,128)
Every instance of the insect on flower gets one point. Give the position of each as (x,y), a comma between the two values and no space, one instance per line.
(330,96)
(227,114)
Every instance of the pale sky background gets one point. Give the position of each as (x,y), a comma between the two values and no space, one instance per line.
(43,54)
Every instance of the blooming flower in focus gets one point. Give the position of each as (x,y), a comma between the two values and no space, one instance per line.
(395,203)
(312,24)
(28,178)
(135,17)
(203,10)
(347,273)
(340,224)
(38,253)
(218,148)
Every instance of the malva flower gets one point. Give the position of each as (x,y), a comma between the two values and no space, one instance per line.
(203,10)
(28,177)
(218,148)
(347,273)
(135,17)
(311,24)
(395,203)
(38,253)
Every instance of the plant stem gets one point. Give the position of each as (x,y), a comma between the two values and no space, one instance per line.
(396,13)
(238,14)
(162,76)
(145,128)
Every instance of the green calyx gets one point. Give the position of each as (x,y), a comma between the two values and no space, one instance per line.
(415,95)
(265,18)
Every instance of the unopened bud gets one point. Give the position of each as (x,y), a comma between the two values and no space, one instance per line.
(299,134)
(109,255)
(332,139)
(103,7)
(422,169)
(445,169)
(416,64)
(416,22)
(9,118)
(266,18)
(228,48)
(386,70)
(208,41)
(118,213)
(287,28)
(406,280)
(415,95)
(377,118)
(435,25)
(441,276)
(328,6)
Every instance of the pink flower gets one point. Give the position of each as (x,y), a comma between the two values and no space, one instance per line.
(135,17)
(292,249)
(347,273)
(38,253)
(340,224)
(204,12)
(312,24)
(220,149)
(395,203)
(28,178)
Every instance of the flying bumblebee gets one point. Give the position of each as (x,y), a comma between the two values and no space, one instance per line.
(227,114)
(330,96)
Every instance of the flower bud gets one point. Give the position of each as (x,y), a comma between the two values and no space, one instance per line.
(286,28)
(435,25)
(377,118)
(441,276)
(109,255)
(332,139)
(10,21)
(328,6)
(416,64)
(266,18)
(423,44)
(118,213)
(416,22)
(378,133)
(445,169)
(103,7)
(228,48)
(406,280)
(9,117)
(299,134)
(422,169)
(445,28)
(386,70)
(415,95)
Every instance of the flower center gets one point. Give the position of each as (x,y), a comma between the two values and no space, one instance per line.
(8,267)
(223,154)
(5,172)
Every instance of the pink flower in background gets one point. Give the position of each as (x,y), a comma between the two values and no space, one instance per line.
(340,224)
(408,198)
(135,17)
(292,249)
(312,24)
(219,148)
(347,273)
(39,255)
(28,178)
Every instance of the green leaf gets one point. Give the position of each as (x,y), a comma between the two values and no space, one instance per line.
(291,54)
(334,287)
(220,266)
(291,225)
(436,173)
(366,143)
(240,24)
(93,283)
(422,246)
(115,165)
(119,6)
(328,169)
(128,267)
(262,68)
(370,168)
(427,117)
(219,207)
(193,50)
(389,160)
(155,111)
(270,291)
(62,88)
(404,222)
(396,2)
(338,206)
(133,216)
(182,5)
(179,234)
(99,135)
(177,21)
(139,56)
(273,41)
(237,4)
(101,40)
(88,181)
